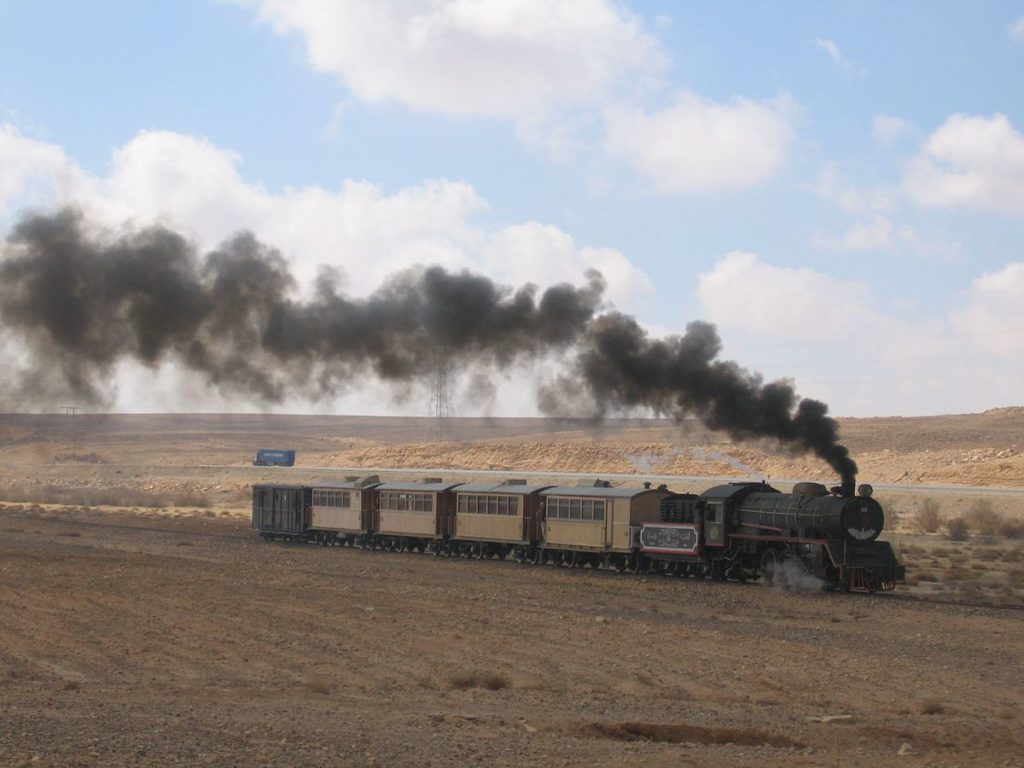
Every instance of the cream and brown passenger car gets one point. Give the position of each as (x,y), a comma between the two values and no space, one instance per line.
(596,524)
(496,520)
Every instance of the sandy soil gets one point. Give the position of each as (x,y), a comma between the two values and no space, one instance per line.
(134,640)
(143,623)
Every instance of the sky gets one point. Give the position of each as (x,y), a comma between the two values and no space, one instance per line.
(838,187)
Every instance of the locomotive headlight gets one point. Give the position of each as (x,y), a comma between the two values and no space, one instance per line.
(865,490)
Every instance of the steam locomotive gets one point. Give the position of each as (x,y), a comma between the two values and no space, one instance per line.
(741,531)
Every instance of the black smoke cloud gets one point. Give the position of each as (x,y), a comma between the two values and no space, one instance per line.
(620,366)
(80,302)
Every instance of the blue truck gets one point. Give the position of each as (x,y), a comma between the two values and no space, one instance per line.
(274,457)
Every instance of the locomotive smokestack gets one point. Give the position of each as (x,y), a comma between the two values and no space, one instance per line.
(78,304)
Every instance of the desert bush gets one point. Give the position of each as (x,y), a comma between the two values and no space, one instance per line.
(983,518)
(492,681)
(99,497)
(318,685)
(928,518)
(932,707)
(1015,577)
(957,529)
(186,499)
(1012,529)
(953,574)
(929,577)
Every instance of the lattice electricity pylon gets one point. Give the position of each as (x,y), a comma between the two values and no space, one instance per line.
(69,415)
(439,403)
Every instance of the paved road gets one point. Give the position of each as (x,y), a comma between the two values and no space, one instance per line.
(568,478)
(669,480)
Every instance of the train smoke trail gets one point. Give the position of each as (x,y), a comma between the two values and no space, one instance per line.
(81,303)
(619,365)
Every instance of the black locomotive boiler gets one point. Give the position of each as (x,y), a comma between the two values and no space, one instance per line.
(749,530)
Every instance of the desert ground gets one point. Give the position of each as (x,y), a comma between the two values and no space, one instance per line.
(142,621)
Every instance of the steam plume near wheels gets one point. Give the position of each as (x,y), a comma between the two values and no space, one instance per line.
(80,301)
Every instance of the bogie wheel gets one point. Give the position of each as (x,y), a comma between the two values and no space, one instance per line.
(768,563)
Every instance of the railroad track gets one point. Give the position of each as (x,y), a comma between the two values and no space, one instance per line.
(889,596)
(903,597)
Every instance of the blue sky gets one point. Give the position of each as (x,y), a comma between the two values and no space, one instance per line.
(838,186)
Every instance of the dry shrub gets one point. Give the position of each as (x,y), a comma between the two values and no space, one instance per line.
(94,497)
(953,573)
(957,529)
(932,707)
(930,577)
(670,733)
(983,518)
(928,518)
(1015,578)
(319,685)
(187,499)
(1012,529)
(491,681)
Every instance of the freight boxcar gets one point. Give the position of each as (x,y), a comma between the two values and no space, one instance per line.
(281,511)
(415,516)
(597,524)
(342,512)
(494,520)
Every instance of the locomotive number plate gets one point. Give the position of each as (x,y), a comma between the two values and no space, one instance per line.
(666,538)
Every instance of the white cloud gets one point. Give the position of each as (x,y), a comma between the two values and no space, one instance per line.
(509,59)
(32,171)
(993,313)
(881,234)
(746,294)
(537,249)
(971,162)
(1017,30)
(699,144)
(832,186)
(888,129)
(192,185)
(835,341)
(832,49)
